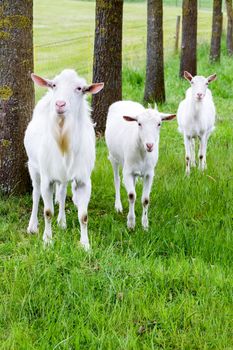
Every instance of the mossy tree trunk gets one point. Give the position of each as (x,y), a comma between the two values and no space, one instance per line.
(16,92)
(188,59)
(154,88)
(107,66)
(229,27)
(215,48)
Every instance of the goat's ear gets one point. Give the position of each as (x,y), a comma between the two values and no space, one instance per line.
(212,77)
(166,117)
(188,76)
(93,88)
(130,119)
(41,81)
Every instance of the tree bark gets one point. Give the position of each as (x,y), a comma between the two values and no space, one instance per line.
(16,92)
(215,48)
(189,37)
(154,89)
(229,27)
(107,66)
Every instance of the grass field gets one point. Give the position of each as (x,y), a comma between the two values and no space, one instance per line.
(64,35)
(168,288)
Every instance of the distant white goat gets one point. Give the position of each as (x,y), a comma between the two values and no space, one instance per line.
(60,144)
(196,118)
(132,137)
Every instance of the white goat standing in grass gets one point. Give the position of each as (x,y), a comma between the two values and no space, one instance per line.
(60,144)
(196,118)
(132,137)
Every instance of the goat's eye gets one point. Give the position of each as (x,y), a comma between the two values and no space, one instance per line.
(192,82)
(207,84)
(53,85)
(159,124)
(139,124)
(79,88)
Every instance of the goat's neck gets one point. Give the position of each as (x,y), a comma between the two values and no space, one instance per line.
(196,107)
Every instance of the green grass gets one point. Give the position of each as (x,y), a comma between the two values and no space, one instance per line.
(168,288)
(64,35)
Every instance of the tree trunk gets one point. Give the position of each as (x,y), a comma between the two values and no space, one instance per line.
(16,92)
(229,27)
(107,58)
(215,48)
(189,38)
(154,89)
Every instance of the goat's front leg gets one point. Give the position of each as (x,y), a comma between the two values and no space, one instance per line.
(47,195)
(202,152)
(187,144)
(81,197)
(117,183)
(147,184)
(129,181)
(61,196)
(33,223)
(193,161)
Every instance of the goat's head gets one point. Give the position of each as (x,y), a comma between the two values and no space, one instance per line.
(149,123)
(67,89)
(199,84)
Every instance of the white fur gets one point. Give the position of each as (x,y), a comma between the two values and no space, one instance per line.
(127,144)
(48,164)
(196,119)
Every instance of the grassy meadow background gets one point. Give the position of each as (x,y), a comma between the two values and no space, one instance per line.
(168,288)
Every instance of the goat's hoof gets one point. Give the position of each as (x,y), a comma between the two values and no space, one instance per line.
(86,246)
(202,168)
(47,241)
(118,207)
(32,228)
(61,223)
(131,223)
(145,224)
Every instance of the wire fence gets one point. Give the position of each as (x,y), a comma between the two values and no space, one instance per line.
(178,3)
(204,4)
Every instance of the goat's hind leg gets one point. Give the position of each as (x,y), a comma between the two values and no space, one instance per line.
(35,177)
(117,183)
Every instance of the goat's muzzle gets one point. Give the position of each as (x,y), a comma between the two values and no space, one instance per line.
(60,107)
(149,147)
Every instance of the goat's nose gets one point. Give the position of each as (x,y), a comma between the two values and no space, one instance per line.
(149,146)
(200,95)
(60,103)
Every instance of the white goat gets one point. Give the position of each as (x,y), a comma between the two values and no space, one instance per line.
(60,144)
(196,118)
(132,137)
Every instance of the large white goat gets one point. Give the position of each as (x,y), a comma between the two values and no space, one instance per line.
(132,137)
(196,118)
(60,144)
